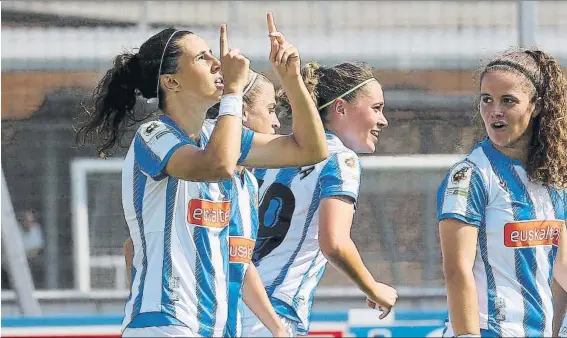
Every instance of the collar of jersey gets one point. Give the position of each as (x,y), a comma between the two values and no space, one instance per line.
(496,154)
(330,135)
(167,120)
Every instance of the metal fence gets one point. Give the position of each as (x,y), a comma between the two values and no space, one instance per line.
(391,34)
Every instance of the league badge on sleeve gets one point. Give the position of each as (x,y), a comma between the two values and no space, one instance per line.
(459,180)
(460,175)
(153,130)
(348,164)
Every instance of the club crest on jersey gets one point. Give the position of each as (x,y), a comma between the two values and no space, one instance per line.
(241,249)
(209,214)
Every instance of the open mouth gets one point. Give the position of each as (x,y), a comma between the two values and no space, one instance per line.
(375,133)
(219,84)
(498,125)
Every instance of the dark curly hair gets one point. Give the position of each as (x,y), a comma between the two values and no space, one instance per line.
(547,157)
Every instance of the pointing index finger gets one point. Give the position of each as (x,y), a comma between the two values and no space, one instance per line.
(271,24)
(223,40)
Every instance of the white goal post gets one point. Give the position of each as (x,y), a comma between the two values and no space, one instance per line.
(82,167)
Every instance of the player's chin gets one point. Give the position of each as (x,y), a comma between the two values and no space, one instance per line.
(214,95)
(367,147)
(500,140)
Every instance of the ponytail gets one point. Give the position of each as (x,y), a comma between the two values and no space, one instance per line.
(132,75)
(114,99)
(325,84)
(310,74)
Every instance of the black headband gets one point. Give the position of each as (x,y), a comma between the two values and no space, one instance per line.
(517,67)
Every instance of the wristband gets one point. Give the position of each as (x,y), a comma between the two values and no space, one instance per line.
(231,104)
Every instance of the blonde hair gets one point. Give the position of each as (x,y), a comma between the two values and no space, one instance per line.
(327,83)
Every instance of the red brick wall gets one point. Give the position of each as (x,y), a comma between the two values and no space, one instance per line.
(23,92)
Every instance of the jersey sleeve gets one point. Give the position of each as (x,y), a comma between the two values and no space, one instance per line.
(463,195)
(154,143)
(245,141)
(341,176)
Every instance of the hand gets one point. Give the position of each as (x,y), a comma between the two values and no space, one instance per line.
(234,66)
(384,297)
(284,57)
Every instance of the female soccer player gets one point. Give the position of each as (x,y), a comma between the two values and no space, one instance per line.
(306,212)
(176,209)
(258,115)
(259,98)
(502,209)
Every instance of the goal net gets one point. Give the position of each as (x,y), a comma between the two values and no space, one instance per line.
(395,227)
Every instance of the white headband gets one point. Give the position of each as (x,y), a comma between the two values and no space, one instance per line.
(156,99)
(346,93)
(251,84)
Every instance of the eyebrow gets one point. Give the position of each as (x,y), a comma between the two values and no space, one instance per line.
(201,53)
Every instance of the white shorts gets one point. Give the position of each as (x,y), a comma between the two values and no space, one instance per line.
(159,331)
(253,327)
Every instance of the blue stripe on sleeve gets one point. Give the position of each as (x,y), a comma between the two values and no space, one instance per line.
(150,162)
(332,181)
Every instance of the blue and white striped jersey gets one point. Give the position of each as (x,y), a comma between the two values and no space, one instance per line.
(180,234)
(243,229)
(287,252)
(519,223)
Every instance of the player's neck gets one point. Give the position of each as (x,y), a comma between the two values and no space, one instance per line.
(189,116)
(517,150)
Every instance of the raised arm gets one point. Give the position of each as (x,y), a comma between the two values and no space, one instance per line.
(307,143)
(219,158)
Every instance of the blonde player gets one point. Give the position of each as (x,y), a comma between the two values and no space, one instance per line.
(306,212)
(177,187)
(502,209)
(259,115)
